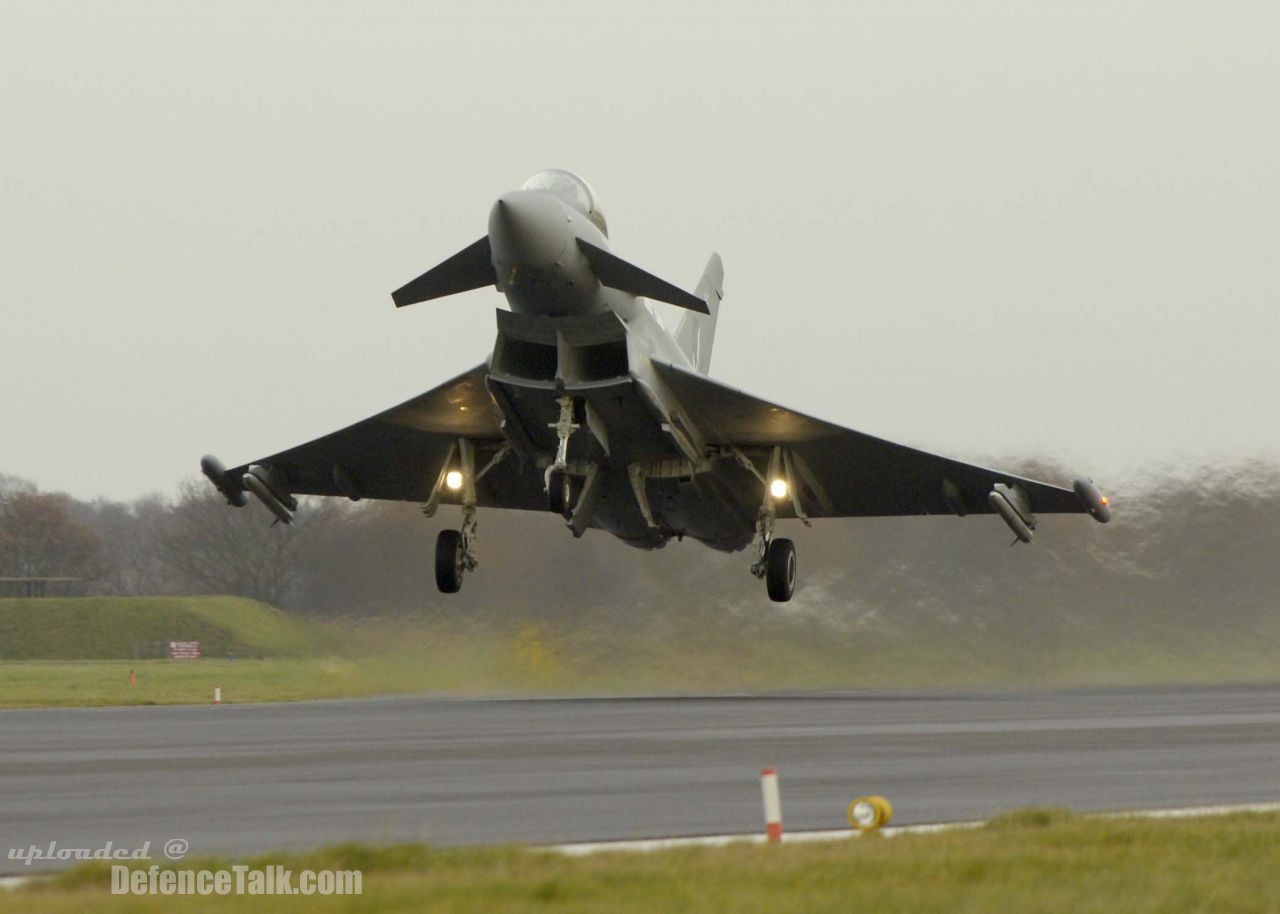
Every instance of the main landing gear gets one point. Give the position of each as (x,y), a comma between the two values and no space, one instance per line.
(456,552)
(456,549)
(780,570)
(775,557)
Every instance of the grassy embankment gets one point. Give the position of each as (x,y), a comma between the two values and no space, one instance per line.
(1034,860)
(80,651)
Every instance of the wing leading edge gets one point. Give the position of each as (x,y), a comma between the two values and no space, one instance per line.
(398,454)
(844,473)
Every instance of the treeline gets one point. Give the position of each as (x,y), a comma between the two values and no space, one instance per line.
(1187,553)
(151,546)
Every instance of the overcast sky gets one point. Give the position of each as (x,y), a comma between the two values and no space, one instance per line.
(984,229)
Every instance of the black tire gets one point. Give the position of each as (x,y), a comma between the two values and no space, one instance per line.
(449,561)
(780,570)
(558,495)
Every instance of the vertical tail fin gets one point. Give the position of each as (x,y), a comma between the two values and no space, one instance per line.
(696,332)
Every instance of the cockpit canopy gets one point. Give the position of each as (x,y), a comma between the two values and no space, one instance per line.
(571,190)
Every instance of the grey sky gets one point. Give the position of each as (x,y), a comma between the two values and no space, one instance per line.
(985,229)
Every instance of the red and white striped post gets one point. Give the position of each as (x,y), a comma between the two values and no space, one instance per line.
(772,805)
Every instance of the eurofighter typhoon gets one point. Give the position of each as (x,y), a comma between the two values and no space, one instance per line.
(590,408)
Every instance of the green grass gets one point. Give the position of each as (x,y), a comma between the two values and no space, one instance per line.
(287,657)
(1044,861)
(379,660)
(123,628)
(39,683)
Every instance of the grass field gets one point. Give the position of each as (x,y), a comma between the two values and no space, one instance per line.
(475,668)
(126,628)
(279,657)
(1035,860)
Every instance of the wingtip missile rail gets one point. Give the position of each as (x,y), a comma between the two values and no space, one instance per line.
(217,474)
(1095,503)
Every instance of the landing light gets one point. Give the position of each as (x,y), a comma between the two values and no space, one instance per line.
(453,480)
(778,488)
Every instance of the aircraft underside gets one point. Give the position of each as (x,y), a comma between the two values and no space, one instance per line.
(643,494)
(603,441)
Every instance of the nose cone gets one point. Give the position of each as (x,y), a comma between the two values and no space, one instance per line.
(528,229)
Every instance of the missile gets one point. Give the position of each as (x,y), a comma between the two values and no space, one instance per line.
(268,487)
(1097,504)
(216,473)
(1012,504)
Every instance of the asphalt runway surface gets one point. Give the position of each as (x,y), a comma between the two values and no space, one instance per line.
(249,778)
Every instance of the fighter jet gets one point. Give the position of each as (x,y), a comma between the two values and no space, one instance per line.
(591,408)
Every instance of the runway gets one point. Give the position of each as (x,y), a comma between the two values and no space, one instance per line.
(242,779)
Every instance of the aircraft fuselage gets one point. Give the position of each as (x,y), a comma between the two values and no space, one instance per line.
(569,335)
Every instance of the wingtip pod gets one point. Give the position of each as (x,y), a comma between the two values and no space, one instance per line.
(216,473)
(1095,503)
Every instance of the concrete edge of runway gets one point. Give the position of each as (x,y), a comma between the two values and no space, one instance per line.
(843,834)
(797,837)
(904,693)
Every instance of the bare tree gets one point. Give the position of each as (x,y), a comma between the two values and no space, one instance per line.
(15,485)
(131,535)
(208,547)
(39,538)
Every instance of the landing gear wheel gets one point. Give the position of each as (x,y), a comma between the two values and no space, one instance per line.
(780,570)
(558,489)
(449,561)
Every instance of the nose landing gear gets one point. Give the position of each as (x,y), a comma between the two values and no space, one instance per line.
(556,480)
